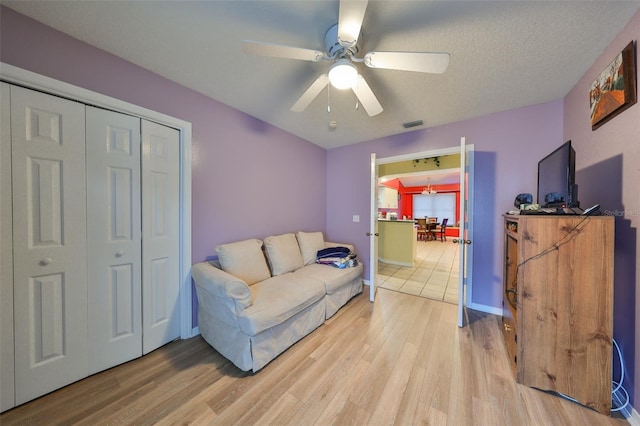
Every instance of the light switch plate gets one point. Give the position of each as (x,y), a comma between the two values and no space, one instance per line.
(356,218)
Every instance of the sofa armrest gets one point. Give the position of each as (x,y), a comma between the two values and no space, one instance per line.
(328,244)
(218,285)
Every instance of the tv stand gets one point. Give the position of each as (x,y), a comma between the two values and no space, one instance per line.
(558,304)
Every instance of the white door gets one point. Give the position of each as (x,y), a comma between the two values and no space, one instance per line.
(160,235)
(49,242)
(113,238)
(373,230)
(466,227)
(7,399)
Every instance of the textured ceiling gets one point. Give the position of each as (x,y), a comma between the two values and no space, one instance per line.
(504,54)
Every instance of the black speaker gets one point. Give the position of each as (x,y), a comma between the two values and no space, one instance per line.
(573,196)
(554,198)
(522,199)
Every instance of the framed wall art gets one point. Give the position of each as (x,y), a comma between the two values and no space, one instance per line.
(614,90)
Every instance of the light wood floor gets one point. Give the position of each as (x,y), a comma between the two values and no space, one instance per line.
(401,360)
(435,274)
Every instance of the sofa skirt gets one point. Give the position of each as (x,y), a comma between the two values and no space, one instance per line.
(227,339)
(272,342)
(338,298)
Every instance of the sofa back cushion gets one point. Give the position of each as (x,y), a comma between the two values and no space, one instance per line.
(245,260)
(310,243)
(283,253)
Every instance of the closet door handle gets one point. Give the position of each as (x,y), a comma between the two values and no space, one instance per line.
(46,261)
(120,253)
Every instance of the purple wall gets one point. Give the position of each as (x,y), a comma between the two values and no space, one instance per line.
(508,146)
(608,172)
(250,179)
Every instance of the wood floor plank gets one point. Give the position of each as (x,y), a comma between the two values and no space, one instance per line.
(401,360)
(281,411)
(385,354)
(320,381)
(396,386)
(411,402)
(340,402)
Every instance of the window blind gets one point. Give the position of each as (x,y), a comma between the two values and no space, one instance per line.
(440,206)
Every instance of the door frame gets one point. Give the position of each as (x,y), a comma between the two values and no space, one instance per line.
(373,228)
(15,75)
(428,154)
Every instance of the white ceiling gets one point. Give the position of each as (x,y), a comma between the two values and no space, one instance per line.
(504,54)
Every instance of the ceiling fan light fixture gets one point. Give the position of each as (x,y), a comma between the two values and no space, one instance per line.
(343,74)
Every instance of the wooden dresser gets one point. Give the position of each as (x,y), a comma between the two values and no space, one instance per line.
(558,304)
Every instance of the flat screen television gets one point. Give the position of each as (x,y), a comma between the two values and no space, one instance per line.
(556,178)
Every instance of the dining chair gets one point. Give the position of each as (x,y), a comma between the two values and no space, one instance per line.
(422,228)
(443,230)
(432,223)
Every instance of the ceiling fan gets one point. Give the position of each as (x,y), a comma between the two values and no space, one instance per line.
(342,44)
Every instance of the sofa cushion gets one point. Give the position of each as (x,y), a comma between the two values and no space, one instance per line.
(283,253)
(245,260)
(333,278)
(277,299)
(310,243)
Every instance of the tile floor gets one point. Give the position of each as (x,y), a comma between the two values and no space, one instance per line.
(434,276)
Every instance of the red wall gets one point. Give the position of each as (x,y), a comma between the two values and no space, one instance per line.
(406,198)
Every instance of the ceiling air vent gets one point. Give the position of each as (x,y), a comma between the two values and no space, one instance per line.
(410,124)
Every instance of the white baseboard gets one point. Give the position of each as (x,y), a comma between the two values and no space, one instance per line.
(629,413)
(632,416)
(395,262)
(485,308)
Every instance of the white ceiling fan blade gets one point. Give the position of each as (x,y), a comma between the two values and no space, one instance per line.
(350,19)
(261,48)
(366,97)
(435,63)
(311,93)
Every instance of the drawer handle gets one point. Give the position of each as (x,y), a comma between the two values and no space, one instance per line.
(120,253)
(46,261)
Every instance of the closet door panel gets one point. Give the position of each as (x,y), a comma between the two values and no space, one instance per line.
(7,399)
(161,245)
(114,238)
(49,242)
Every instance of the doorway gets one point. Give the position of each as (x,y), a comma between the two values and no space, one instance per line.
(435,271)
(429,187)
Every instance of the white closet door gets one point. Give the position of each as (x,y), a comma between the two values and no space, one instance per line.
(160,235)
(49,242)
(7,399)
(113,238)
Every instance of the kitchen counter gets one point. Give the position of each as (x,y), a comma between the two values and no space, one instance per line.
(397,242)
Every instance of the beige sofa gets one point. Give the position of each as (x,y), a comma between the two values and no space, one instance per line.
(259,298)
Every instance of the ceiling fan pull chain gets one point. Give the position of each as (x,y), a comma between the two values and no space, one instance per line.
(328,98)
